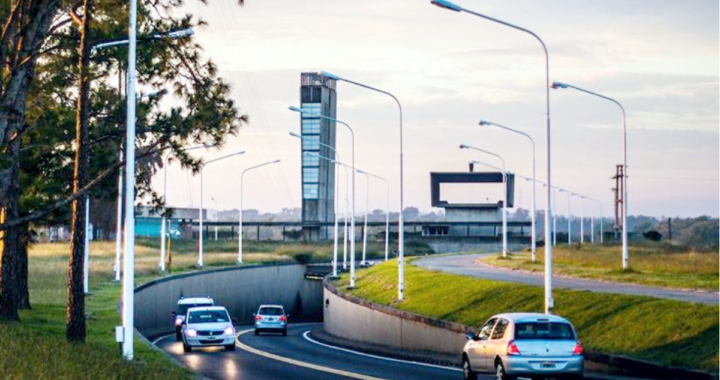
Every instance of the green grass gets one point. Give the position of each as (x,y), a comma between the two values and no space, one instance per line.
(661,331)
(650,264)
(35,347)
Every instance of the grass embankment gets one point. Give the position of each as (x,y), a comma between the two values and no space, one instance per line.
(662,331)
(35,347)
(651,264)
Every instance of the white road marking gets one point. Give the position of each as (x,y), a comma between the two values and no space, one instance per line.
(155,342)
(300,363)
(307,337)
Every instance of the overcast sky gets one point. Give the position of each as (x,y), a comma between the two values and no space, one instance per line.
(659,58)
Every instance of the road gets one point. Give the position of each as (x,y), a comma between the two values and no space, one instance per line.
(466,265)
(270,356)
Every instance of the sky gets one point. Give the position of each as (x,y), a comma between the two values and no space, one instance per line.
(658,58)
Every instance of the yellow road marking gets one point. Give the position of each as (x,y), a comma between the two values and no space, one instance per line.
(300,363)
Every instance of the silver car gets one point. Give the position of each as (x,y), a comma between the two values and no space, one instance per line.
(208,326)
(271,318)
(529,345)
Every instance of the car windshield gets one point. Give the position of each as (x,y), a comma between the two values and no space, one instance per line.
(271,311)
(182,309)
(543,330)
(208,316)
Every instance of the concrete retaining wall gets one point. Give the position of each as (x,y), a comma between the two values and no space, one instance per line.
(356,319)
(241,290)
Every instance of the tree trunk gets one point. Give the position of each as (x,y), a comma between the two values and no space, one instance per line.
(75,319)
(23,293)
(18,47)
(9,207)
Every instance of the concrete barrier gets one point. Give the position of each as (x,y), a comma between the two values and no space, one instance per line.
(359,320)
(240,289)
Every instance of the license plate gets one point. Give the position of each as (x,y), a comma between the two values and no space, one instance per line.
(547,365)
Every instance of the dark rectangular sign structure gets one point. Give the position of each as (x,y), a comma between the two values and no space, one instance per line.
(463,177)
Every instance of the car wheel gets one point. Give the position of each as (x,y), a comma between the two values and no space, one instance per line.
(257,332)
(284,332)
(230,347)
(178,336)
(500,371)
(468,373)
(186,348)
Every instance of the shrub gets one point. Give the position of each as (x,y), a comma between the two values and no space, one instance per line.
(303,257)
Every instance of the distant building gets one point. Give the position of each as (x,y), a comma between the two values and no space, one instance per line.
(148,220)
(317,96)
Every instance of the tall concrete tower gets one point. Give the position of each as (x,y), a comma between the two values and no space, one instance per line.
(318,96)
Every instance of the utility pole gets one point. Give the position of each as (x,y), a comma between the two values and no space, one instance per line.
(618,189)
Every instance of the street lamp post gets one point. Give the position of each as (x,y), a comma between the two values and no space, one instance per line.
(352,217)
(215,215)
(625,253)
(337,193)
(532,142)
(202,170)
(549,303)
(504,208)
(401,232)
(387,213)
(600,219)
(582,221)
(163,223)
(240,219)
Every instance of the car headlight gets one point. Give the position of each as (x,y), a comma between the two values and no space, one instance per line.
(178,321)
(190,332)
(229,331)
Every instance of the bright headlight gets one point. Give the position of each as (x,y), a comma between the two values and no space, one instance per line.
(190,332)
(229,331)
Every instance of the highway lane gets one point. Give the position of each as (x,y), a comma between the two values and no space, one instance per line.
(271,356)
(467,265)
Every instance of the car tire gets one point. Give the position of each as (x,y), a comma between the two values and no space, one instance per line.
(186,348)
(230,347)
(500,373)
(468,373)
(178,336)
(257,332)
(284,332)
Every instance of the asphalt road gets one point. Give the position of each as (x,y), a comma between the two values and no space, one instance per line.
(270,356)
(466,265)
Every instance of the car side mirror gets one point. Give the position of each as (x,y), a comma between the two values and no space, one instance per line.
(287,315)
(471,336)
(254,314)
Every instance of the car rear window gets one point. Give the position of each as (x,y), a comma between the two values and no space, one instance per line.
(182,309)
(270,311)
(543,330)
(209,316)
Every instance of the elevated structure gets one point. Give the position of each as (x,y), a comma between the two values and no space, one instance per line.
(318,96)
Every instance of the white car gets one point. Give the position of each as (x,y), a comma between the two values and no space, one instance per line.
(530,345)
(183,305)
(208,326)
(271,318)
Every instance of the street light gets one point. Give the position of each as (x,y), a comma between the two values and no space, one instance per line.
(337,193)
(387,213)
(625,253)
(600,219)
(202,170)
(504,208)
(163,223)
(533,243)
(352,218)
(176,34)
(401,232)
(549,303)
(240,222)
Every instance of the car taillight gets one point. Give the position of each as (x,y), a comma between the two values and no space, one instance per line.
(578,349)
(229,331)
(190,332)
(283,319)
(258,318)
(512,348)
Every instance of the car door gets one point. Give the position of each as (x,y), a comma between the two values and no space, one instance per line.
(477,358)
(497,344)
